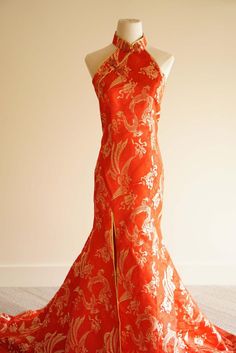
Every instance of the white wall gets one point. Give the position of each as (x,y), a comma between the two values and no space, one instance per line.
(50,133)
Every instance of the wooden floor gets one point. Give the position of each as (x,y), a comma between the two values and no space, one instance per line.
(218,303)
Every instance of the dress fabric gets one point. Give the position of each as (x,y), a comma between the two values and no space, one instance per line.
(123,293)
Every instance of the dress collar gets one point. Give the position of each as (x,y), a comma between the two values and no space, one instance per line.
(137,45)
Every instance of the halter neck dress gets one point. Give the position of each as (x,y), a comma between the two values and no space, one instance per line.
(123,293)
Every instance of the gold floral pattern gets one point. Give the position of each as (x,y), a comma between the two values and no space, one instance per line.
(123,293)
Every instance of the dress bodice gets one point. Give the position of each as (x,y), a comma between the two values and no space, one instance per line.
(129,85)
(130,69)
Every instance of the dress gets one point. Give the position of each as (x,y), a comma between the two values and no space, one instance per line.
(123,293)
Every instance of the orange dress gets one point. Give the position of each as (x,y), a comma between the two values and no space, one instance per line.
(123,293)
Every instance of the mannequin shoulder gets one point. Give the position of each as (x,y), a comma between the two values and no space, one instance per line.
(165,60)
(94,59)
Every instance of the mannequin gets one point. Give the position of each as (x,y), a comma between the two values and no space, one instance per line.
(130,30)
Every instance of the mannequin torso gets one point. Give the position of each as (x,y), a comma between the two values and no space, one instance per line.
(130,30)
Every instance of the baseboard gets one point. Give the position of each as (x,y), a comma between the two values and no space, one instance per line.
(53,276)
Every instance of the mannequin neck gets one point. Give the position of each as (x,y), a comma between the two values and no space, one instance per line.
(130,29)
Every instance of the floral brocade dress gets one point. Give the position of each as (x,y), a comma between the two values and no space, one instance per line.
(123,293)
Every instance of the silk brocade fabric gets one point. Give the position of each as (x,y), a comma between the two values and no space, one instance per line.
(123,293)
